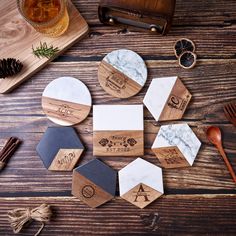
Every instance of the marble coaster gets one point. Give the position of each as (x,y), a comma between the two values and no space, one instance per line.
(66,101)
(167,98)
(118,130)
(176,146)
(140,183)
(122,73)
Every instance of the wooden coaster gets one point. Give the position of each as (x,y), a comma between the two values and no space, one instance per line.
(66,101)
(122,73)
(140,183)
(118,130)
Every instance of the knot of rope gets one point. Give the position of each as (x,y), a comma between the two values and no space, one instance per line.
(18,217)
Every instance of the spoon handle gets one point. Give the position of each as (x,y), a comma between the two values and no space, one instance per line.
(230,168)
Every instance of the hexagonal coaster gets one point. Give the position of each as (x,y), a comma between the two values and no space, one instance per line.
(66,101)
(60,148)
(122,73)
(118,130)
(176,146)
(140,183)
(94,183)
(167,98)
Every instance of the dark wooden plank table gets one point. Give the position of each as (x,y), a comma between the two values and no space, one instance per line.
(200,200)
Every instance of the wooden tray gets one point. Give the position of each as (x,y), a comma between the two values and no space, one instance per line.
(17,38)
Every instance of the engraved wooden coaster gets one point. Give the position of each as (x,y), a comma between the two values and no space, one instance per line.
(140,183)
(60,148)
(118,130)
(94,183)
(167,98)
(122,73)
(66,101)
(176,146)
(170,157)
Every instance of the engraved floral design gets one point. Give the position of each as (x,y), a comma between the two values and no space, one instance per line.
(131,142)
(103,142)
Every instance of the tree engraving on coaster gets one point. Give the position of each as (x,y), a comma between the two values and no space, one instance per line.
(141,194)
(88,191)
(66,159)
(116,82)
(178,102)
(118,143)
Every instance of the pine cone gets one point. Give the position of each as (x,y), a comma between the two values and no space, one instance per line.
(9,67)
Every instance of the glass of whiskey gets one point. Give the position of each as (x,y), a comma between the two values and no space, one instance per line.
(49,17)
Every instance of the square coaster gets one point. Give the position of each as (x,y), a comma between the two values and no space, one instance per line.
(118,130)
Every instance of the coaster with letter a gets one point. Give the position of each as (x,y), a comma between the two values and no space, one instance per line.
(140,183)
(66,101)
(122,73)
(118,130)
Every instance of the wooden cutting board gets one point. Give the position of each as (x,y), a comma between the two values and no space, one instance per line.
(17,38)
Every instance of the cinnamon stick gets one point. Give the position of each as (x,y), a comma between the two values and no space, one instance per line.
(8,150)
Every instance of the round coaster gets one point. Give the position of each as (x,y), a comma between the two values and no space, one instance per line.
(122,73)
(66,101)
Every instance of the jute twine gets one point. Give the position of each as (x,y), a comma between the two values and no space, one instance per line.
(18,217)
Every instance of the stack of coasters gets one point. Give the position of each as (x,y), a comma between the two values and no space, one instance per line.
(118,130)
(140,183)
(122,73)
(94,183)
(167,98)
(176,146)
(66,101)
(60,148)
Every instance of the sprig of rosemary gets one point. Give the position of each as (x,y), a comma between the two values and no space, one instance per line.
(44,50)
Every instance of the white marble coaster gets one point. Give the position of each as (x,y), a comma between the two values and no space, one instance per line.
(167,98)
(117,117)
(140,182)
(118,130)
(66,101)
(122,73)
(176,146)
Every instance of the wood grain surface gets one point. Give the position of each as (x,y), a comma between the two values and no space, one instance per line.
(200,200)
(63,112)
(65,160)
(116,83)
(18,38)
(177,102)
(88,192)
(141,195)
(117,143)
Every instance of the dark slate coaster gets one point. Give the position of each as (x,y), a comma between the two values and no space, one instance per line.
(54,139)
(100,174)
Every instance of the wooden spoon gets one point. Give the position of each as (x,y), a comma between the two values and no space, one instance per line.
(214,136)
